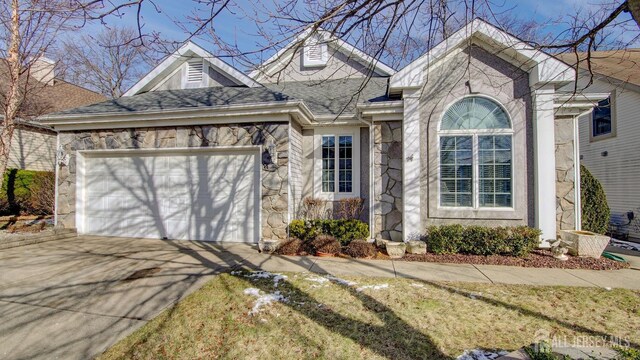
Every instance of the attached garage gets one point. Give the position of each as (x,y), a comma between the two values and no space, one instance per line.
(196,194)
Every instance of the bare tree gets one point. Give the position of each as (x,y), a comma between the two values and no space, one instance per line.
(109,62)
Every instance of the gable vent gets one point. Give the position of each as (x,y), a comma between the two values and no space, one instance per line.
(315,52)
(194,70)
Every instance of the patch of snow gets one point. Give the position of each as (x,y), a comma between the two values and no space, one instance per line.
(341,281)
(317,279)
(478,354)
(417,285)
(263,299)
(373,287)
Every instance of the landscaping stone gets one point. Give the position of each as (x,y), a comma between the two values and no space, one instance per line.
(396,250)
(268,245)
(416,247)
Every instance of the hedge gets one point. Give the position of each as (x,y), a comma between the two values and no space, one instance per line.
(482,240)
(345,230)
(27,192)
(595,210)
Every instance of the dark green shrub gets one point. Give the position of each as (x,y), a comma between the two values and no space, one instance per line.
(360,249)
(326,244)
(482,240)
(27,192)
(344,230)
(595,210)
(445,239)
(291,246)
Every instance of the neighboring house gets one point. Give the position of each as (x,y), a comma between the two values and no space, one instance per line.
(609,134)
(33,146)
(198,150)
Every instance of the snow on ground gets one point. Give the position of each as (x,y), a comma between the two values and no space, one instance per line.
(263,299)
(417,285)
(341,281)
(625,244)
(478,354)
(317,279)
(373,287)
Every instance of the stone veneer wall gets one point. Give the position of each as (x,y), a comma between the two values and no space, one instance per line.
(565,175)
(274,183)
(388,180)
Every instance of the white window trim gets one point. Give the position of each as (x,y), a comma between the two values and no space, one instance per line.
(612,133)
(474,133)
(354,132)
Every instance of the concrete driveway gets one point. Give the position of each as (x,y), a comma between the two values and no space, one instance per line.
(72,299)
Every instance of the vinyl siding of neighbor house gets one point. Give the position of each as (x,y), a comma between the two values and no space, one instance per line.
(295,163)
(32,150)
(619,171)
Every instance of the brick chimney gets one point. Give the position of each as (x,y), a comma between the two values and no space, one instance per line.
(43,70)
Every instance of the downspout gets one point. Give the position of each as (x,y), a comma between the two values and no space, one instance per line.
(55,194)
(576,169)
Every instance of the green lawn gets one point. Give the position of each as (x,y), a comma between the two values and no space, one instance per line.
(408,319)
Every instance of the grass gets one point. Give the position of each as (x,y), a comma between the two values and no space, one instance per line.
(409,319)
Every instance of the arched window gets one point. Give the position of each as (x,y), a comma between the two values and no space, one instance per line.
(476,169)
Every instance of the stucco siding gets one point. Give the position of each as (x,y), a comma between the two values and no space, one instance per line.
(32,150)
(619,170)
(339,66)
(474,71)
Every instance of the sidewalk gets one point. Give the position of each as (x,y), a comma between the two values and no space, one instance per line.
(626,278)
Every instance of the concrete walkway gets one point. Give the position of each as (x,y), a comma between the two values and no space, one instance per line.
(495,274)
(73,298)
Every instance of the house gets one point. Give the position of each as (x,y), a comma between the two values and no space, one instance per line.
(33,146)
(609,133)
(198,150)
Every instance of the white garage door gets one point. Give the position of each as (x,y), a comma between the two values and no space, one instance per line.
(211,196)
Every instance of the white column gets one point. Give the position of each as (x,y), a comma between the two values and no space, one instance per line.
(411,164)
(545,162)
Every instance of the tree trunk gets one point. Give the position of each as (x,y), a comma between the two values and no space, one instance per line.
(14,100)
(634,7)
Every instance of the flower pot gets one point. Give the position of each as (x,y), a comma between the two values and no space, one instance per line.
(396,250)
(416,247)
(323,254)
(268,245)
(585,243)
(381,243)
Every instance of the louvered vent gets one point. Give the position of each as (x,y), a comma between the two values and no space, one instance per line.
(315,52)
(194,70)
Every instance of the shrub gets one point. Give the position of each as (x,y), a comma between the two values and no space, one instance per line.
(291,246)
(345,230)
(360,249)
(482,240)
(350,208)
(313,208)
(27,192)
(595,210)
(326,244)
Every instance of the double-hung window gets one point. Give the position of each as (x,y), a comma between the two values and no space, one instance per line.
(475,155)
(602,121)
(337,164)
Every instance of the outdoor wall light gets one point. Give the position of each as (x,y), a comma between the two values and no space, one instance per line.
(604,153)
(269,157)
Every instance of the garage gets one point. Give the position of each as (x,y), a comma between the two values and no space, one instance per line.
(196,194)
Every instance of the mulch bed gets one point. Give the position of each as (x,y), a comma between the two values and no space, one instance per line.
(536,259)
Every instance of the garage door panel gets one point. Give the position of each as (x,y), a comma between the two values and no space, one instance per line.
(205,196)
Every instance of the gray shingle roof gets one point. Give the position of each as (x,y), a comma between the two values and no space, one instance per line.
(330,97)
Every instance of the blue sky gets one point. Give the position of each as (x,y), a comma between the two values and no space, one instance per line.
(237,25)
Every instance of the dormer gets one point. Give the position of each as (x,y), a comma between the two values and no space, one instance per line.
(191,67)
